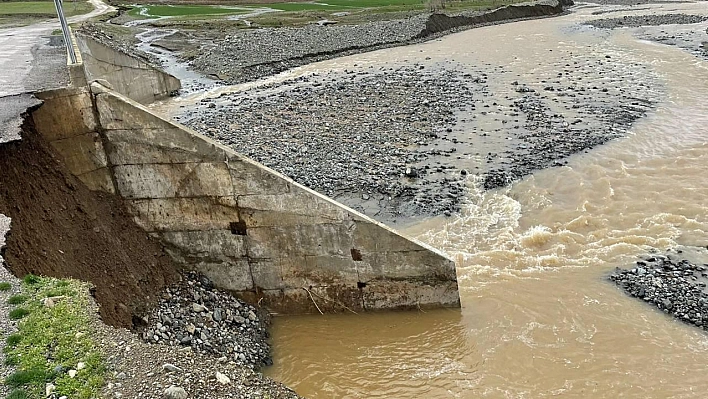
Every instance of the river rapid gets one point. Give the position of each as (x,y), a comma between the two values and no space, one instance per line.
(539,317)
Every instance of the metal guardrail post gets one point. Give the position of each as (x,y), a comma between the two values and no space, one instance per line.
(65,30)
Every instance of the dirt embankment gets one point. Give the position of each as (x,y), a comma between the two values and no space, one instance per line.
(438,23)
(236,55)
(60,228)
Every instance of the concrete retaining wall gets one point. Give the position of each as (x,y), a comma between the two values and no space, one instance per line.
(250,229)
(126,74)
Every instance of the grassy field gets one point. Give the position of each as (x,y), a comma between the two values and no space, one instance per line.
(43,8)
(54,342)
(183,10)
(299,13)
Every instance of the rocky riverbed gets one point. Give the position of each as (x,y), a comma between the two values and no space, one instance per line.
(361,133)
(670,282)
(237,55)
(245,55)
(400,141)
(652,27)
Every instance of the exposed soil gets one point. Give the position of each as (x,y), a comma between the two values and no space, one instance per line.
(62,229)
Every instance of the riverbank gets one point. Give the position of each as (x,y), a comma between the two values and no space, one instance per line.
(242,55)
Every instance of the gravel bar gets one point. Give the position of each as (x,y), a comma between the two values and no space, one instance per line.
(671,283)
(646,20)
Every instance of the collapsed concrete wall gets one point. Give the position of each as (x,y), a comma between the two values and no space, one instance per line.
(130,76)
(248,228)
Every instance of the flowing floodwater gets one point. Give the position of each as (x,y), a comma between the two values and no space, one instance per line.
(538,316)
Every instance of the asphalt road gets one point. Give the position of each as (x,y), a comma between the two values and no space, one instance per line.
(28,63)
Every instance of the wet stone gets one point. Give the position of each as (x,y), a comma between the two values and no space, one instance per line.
(669,282)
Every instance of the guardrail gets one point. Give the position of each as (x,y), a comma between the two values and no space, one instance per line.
(65,30)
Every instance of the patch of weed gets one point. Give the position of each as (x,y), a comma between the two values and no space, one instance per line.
(16,314)
(31,279)
(5,286)
(17,299)
(18,394)
(13,339)
(27,377)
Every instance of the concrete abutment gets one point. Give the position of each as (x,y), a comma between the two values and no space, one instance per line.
(248,228)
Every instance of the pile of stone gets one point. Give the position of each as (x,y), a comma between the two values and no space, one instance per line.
(674,285)
(193,313)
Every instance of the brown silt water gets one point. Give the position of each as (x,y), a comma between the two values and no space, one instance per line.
(539,317)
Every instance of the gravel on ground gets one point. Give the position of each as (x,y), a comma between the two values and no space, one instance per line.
(399,141)
(7,326)
(138,369)
(194,314)
(359,133)
(633,21)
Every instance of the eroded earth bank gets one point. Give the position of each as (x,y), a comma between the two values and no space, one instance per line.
(186,335)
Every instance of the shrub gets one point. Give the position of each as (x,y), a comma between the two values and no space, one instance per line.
(13,340)
(18,313)
(17,299)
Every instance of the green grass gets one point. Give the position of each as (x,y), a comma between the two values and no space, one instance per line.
(5,286)
(305,7)
(45,8)
(25,377)
(17,394)
(298,13)
(46,338)
(372,3)
(31,279)
(17,299)
(18,313)
(13,339)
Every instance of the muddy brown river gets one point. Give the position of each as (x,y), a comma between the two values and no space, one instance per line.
(538,317)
